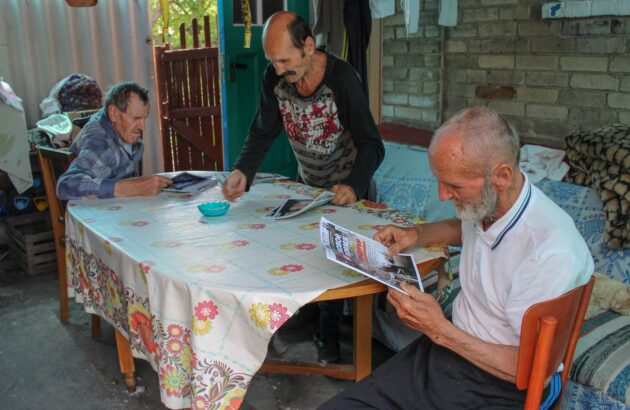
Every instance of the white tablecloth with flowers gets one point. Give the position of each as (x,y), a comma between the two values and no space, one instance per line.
(200,297)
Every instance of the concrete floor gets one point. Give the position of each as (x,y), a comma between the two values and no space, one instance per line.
(45,365)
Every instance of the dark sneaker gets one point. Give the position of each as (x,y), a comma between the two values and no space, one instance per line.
(327,351)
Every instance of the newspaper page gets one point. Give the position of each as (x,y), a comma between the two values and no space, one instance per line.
(264,177)
(368,256)
(292,207)
(259,178)
(187,182)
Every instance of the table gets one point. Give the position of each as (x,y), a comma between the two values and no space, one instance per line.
(199,297)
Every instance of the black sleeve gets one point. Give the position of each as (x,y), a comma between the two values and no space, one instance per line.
(265,127)
(355,116)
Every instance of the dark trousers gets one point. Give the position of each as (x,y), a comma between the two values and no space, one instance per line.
(426,376)
(329,316)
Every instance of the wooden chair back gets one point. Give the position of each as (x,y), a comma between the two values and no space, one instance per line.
(54,162)
(549,334)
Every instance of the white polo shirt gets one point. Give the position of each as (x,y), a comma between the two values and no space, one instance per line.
(532,253)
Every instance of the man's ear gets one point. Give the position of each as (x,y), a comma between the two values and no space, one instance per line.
(112,113)
(502,176)
(309,46)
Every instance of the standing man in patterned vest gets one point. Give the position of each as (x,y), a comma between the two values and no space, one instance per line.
(319,101)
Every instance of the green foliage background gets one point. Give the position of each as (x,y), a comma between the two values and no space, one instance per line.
(184,11)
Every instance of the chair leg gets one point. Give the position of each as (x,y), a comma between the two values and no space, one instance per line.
(96,327)
(362,336)
(63,290)
(125,361)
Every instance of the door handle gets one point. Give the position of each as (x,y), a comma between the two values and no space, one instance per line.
(234,67)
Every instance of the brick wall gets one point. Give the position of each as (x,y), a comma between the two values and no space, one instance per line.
(548,77)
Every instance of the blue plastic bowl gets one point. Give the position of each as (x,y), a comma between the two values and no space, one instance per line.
(216,208)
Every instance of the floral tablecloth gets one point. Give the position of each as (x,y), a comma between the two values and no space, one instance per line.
(200,297)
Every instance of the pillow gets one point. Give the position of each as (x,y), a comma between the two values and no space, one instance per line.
(404,181)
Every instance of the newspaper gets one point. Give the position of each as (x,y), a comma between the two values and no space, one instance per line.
(259,178)
(190,183)
(292,207)
(368,256)
(263,177)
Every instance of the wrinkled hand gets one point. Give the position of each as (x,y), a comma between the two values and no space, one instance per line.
(149,185)
(419,310)
(234,185)
(344,195)
(396,238)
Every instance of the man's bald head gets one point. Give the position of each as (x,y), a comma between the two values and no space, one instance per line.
(477,138)
(284,22)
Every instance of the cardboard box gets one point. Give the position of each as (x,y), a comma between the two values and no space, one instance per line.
(78,114)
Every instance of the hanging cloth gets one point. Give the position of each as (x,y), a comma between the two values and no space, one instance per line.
(448,13)
(411,12)
(358,21)
(382,8)
(329,29)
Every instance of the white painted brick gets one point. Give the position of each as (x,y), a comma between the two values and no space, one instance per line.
(387,110)
(552,10)
(593,81)
(624,117)
(548,112)
(395,98)
(577,8)
(604,8)
(583,63)
(573,8)
(430,87)
(620,64)
(422,101)
(623,7)
(456,46)
(537,62)
(408,113)
(619,100)
(508,107)
(429,116)
(541,95)
(625,84)
(498,2)
(495,61)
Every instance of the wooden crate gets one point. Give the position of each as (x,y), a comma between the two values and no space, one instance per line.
(32,243)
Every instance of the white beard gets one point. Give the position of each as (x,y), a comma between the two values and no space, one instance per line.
(479,210)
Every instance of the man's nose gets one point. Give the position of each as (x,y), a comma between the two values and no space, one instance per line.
(141,125)
(280,69)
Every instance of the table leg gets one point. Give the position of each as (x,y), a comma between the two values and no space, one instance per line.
(96,327)
(125,360)
(362,336)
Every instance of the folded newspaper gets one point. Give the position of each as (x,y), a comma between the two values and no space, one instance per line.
(259,178)
(190,183)
(292,207)
(368,256)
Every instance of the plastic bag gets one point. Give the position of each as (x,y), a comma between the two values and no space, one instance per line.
(58,126)
(51,105)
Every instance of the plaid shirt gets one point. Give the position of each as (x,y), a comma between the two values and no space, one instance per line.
(101,161)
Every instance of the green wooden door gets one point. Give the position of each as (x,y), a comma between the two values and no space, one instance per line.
(242,74)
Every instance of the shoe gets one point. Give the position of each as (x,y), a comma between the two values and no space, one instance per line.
(278,346)
(327,352)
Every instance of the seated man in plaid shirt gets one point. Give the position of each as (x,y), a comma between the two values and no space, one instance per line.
(109,149)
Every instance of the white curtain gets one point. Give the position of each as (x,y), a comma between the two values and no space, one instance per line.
(43,41)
